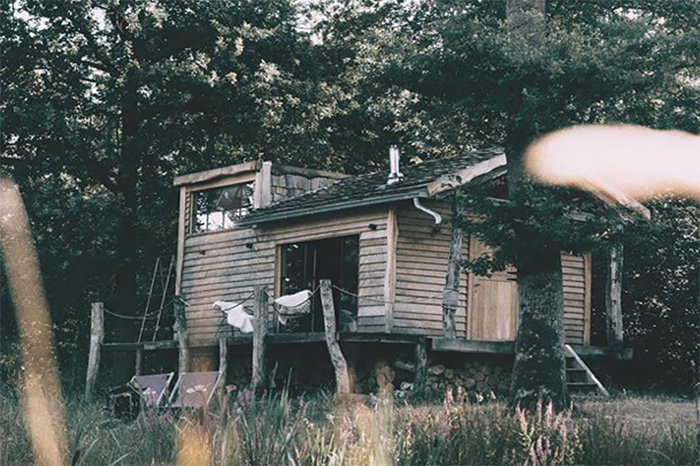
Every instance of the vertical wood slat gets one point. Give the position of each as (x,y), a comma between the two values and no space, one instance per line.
(587,279)
(181,334)
(342,377)
(392,236)
(181,234)
(257,382)
(97,333)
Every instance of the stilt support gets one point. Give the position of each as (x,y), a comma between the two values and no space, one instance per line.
(342,378)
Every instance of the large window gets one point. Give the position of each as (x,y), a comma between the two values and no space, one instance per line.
(304,265)
(220,208)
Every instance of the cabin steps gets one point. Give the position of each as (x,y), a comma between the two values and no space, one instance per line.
(580,380)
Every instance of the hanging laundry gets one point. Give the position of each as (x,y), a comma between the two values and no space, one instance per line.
(293,305)
(236,316)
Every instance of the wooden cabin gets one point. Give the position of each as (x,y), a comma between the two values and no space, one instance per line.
(383,239)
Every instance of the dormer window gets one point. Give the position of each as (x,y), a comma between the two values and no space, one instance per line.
(220,208)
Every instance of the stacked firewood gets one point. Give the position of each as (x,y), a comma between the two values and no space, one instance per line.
(385,376)
(473,376)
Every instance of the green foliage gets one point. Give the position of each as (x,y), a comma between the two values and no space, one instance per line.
(660,296)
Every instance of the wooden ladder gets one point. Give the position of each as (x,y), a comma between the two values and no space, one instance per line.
(579,377)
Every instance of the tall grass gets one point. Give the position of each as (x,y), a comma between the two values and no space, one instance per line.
(277,429)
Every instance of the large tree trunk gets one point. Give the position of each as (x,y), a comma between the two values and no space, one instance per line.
(539,370)
(126,248)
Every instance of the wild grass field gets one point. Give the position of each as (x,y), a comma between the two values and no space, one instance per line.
(279,430)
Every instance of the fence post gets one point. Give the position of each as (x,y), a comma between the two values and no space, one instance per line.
(138,362)
(342,378)
(181,331)
(97,334)
(260,311)
(223,356)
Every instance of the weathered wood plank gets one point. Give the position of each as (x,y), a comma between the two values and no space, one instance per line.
(97,333)
(342,377)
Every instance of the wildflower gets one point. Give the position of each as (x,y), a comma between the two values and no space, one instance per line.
(548,414)
(479,397)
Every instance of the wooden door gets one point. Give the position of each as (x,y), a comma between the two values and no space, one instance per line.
(493,302)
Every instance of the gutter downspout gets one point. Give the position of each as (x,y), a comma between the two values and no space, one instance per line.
(432,213)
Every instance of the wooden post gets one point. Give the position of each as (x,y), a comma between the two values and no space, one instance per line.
(342,377)
(392,237)
(223,356)
(450,294)
(421,365)
(97,334)
(613,297)
(138,365)
(181,334)
(259,333)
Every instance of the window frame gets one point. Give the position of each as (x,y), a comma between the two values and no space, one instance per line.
(192,191)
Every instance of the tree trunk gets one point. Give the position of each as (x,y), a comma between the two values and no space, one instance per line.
(126,247)
(539,369)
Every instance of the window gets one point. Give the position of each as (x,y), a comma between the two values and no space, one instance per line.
(304,265)
(219,208)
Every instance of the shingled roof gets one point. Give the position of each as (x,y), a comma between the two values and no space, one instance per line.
(420,180)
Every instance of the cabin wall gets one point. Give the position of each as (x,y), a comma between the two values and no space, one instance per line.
(228,265)
(422,256)
(421,267)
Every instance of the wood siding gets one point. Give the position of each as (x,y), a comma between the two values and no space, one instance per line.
(422,255)
(229,265)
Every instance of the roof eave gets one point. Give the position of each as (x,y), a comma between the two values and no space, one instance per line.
(252,220)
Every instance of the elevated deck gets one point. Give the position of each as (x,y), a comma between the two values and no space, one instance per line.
(435,344)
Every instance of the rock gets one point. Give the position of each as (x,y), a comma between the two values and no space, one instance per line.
(437,370)
(449,374)
(479,376)
(469,383)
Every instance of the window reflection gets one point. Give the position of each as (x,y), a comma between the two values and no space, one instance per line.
(220,208)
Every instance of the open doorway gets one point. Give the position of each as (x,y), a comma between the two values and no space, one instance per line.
(303,267)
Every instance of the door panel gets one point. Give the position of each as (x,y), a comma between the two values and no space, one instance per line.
(493,302)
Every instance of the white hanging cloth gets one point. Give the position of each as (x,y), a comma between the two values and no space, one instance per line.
(293,305)
(236,316)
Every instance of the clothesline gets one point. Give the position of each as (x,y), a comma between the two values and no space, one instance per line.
(426,300)
(149,316)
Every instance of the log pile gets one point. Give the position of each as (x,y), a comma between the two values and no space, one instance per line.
(473,376)
(384,376)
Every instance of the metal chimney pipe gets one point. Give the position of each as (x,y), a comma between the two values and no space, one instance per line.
(394,171)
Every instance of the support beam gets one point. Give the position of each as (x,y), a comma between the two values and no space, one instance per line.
(181,334)
(450,294)
(257,382)
(342,377)
(392,237)
(613,297)
(138,364)
(421,374)
(97,334)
